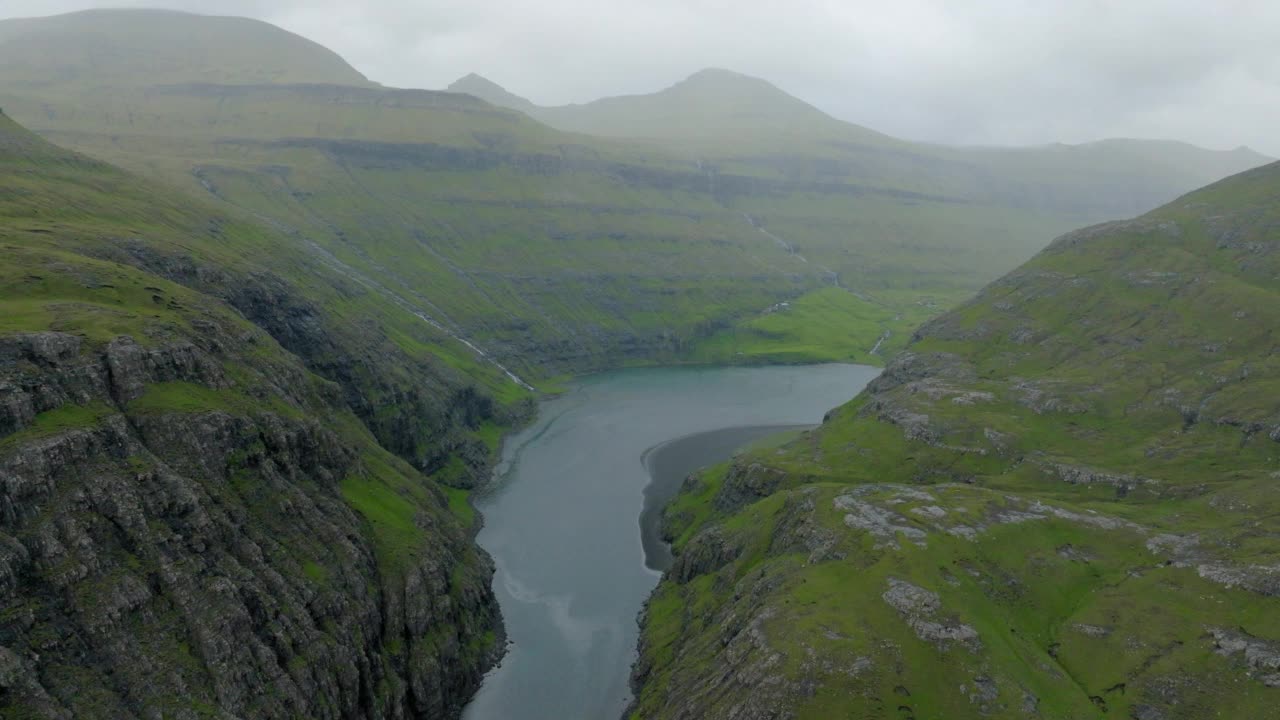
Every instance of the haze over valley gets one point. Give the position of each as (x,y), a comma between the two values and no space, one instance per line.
(277,340)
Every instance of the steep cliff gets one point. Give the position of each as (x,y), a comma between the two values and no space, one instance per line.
(1058,502)
(221,470)
(422,390)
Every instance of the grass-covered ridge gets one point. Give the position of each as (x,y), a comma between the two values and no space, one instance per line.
(60,202)
(1057,502)
(78,238)
(561,252)
(126,47)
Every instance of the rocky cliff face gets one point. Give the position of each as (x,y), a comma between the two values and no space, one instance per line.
(219,498)
(417,407)
(159,559)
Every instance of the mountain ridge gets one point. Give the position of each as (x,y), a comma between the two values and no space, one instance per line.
(481,87)
(717,78)
(633,115)
(130,46)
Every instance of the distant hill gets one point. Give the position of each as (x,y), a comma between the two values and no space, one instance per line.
(739,119)
(98,48)
(712,103)
(1135,172)
(715,104)
(1059,501)
(491,92)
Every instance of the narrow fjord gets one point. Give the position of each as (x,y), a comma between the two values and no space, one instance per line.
(571,584)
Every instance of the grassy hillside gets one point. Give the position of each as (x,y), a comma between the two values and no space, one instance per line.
(1058,501)
(561,252)
(207,433)
(403,375)
(139,48)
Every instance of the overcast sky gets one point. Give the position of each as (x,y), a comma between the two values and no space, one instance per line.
(972,71)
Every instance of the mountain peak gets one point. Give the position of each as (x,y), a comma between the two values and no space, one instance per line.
(720,74)
(722,81)
(711,104)
(479,86)
(475,80)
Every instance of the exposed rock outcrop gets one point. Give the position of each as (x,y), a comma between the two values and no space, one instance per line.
(155,560)
(922,610)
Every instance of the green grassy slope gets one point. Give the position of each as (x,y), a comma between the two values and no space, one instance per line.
(1058,501)
(562,252)
(400,373)
(204,434)
(555,258)
(131,48)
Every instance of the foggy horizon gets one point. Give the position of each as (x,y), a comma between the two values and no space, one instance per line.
(996,75)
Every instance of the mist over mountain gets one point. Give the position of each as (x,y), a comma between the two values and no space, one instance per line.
(1008,74)
(267,328)
(709,103)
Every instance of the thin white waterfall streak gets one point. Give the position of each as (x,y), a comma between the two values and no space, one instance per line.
(791,249)
(352,274)
(880,342)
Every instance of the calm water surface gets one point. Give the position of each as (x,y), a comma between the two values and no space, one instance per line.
(562,522)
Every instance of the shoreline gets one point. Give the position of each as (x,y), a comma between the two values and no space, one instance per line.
(669,463)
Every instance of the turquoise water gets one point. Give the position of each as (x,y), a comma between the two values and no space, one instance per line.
(562,521)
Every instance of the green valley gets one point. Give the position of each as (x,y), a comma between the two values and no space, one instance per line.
(598,244)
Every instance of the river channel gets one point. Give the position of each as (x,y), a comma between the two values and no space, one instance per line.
(563,519)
